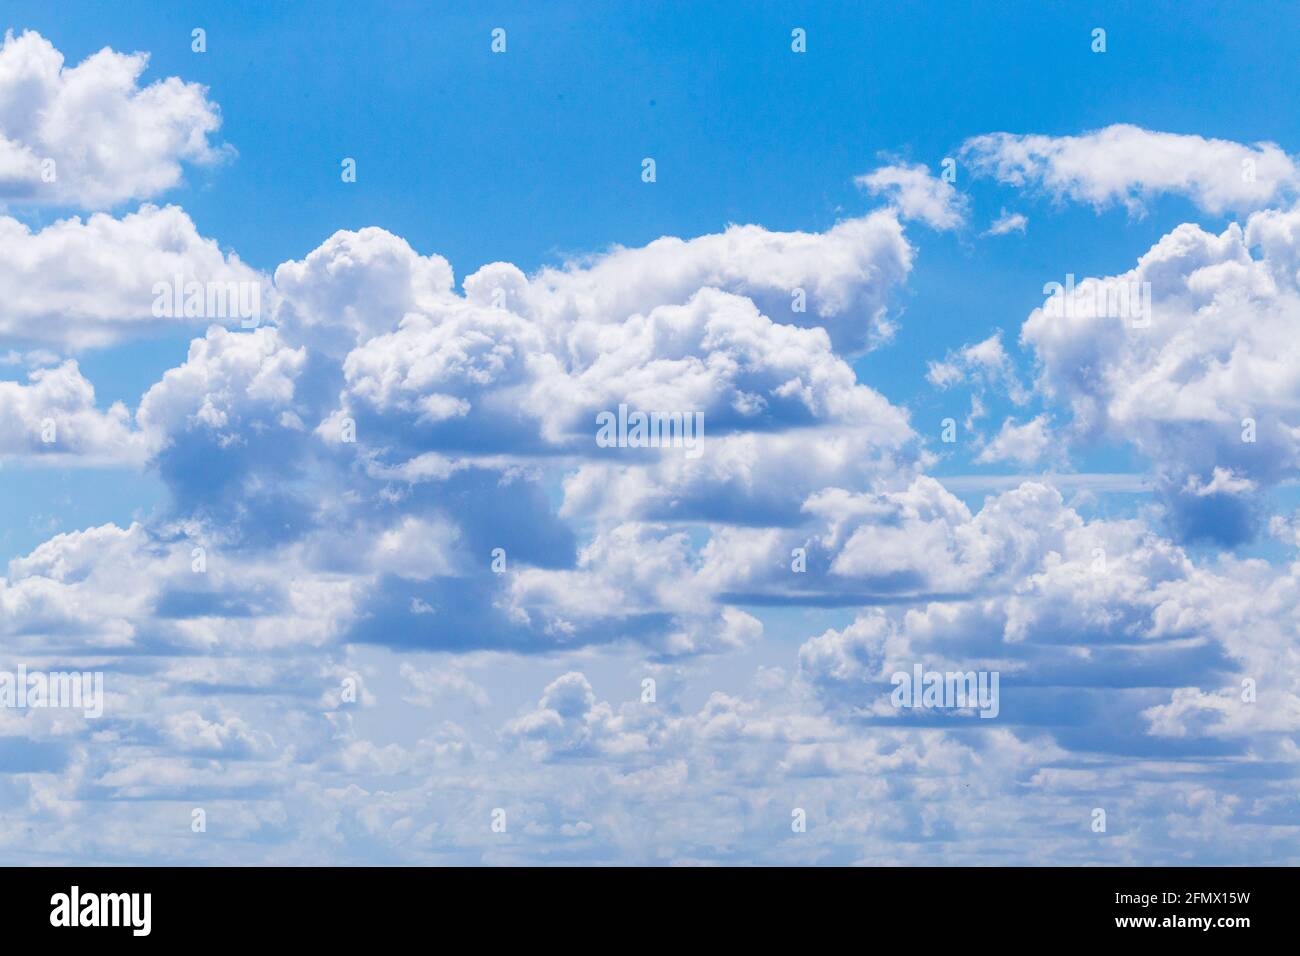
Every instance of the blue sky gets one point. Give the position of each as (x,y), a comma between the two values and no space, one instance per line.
(336,564)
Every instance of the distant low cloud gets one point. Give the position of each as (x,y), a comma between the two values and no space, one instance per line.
(1007,222)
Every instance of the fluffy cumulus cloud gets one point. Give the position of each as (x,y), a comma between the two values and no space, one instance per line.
(79,284)
(189,593)
(839,280)
(91,135)
(397,588)
(526,367)
(357,284)
(1191,356)
(53,418)
(226,379)
(1131,165)
(1029,443)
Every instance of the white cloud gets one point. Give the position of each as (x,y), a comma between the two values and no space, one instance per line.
(433,685)
(227,735)
(79,284)
(715,354)
(984,365)
(53,419)
(1128,164)
(1222,482)
(775,398)
(1007,222)
(569,721)
(109,139)
(631,572)
(1206,380)
(847,274)
(417,549)
(1028,444)
(1286,528)
(917,194)
(360,284)
(356,285)
(69,593)
(228,381)
(749,478)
